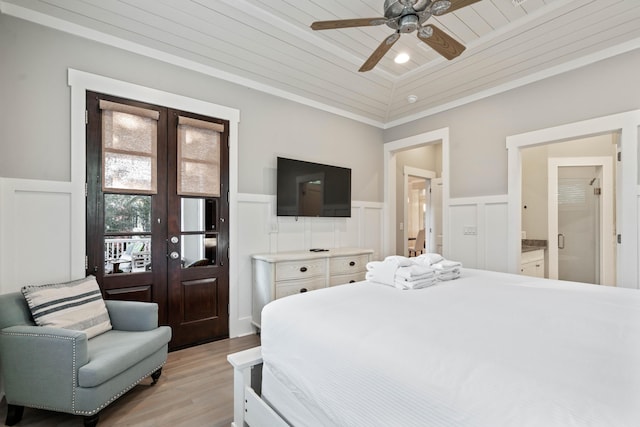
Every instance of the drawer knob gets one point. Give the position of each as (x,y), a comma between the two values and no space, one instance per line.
(303,269)
(303,290)
(352,281)
(352,263)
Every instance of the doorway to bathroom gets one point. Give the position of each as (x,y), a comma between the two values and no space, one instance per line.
(423,211)
(568,202)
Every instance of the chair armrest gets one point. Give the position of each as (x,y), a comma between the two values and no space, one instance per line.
(33,356)
(132,315)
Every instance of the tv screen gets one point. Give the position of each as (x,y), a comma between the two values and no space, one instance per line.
(312,189)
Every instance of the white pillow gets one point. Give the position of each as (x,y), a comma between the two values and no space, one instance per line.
(76,305)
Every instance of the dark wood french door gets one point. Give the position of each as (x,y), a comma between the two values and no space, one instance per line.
(157,212)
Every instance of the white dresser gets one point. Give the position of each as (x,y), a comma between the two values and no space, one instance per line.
(281,274)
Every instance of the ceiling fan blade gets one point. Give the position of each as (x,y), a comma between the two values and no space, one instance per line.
(442,42)
(347,23)
(377,55)
(459,4)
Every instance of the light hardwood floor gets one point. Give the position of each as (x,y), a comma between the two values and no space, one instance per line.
(195,389)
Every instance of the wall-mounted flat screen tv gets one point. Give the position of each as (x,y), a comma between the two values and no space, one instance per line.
(312,189)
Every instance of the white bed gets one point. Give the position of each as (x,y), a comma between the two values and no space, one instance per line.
(488,349)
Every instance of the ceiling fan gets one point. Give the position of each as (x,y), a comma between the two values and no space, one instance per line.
(406,16)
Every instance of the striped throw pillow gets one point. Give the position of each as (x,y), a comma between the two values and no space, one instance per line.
(76,305)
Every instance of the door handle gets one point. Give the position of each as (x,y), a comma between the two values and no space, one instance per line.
(560,241)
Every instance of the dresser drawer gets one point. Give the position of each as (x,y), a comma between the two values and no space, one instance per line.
(346,278)
(292,270)
(295,286)
(348,264)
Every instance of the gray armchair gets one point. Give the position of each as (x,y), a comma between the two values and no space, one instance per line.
(61,370)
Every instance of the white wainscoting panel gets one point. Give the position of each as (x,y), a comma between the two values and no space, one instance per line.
(463,247)
(371,226)
(494,249)
(478,232)
(40,233)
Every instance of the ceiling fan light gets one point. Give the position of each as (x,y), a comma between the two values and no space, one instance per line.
(440,6)
(402,58)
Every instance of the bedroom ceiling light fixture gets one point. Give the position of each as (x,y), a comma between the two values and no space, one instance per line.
(411,99)
(402,58)
(406,16)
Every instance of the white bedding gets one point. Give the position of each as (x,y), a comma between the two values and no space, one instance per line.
(488,349)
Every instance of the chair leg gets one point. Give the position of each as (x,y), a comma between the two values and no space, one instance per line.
(14,414)
(91,420)
(155,376)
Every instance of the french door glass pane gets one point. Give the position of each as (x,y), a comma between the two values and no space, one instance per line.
(127,254)
(198,220)
(198,161)
(198,214)
(128,172)
(199,250)
(129,152)
(127,213)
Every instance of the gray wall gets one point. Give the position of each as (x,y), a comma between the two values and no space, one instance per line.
(35,112)
(478,130)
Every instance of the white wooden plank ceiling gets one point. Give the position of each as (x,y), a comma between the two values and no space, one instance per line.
(269,43)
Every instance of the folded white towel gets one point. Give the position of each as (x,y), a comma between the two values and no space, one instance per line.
(446,265)
(415,284)
(415,272)
(428,259)
(382,272)
(371,265)
(401,261)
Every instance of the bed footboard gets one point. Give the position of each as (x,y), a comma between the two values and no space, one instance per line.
(248,407)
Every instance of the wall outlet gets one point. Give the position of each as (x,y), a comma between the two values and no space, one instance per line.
(470,230)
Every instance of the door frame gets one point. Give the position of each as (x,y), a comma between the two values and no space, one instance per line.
(390,149)
(627,189)
(606,220)
(80,82)
(428,176)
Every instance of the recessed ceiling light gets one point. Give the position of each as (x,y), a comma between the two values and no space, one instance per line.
(402,58)
(411,99)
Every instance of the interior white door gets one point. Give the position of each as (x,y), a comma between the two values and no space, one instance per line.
(602,168)
(579,223)
(416,182)
(435,243)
